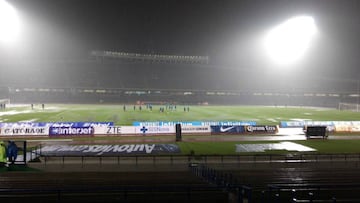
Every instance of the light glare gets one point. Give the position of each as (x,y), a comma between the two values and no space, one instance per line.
(9,23)
(288,42)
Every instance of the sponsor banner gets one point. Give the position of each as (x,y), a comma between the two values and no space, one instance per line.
(261,129)
(23,131)
(70,131)
(166,123)
(155,130)
(342,128)
(195,129)
(300,124)
(291,131)
(347,128)
(131,130)
(289,146)
(292,124)
(227,123)
(193,123)
(355,128)
(55,124)
(348,123)
(233,129)
(319,123)
(108,150)
(115,130)
(337,126)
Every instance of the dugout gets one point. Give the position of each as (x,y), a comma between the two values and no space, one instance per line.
(316,131)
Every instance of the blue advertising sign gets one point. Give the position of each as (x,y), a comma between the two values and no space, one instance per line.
(227,123)
(56,124)
(292,124)
(233,129)
(300,124)
(166,123)
(54,131)
(194,123)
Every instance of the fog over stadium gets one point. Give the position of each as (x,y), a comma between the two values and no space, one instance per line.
(52,58)
(179,101)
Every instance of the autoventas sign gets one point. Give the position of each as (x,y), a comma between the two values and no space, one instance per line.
(110,150)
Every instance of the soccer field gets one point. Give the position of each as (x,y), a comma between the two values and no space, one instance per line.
(264,115)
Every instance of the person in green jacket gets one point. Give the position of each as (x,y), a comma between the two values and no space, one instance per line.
(3,160)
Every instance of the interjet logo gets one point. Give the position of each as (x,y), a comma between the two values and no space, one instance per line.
(71,130)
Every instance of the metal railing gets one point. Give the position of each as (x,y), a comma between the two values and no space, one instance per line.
(200,159)
(167,193)
(223,180)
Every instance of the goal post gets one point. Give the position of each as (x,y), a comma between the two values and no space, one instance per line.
(4,101)
(349,107)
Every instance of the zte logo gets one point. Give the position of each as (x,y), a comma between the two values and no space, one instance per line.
(113,130)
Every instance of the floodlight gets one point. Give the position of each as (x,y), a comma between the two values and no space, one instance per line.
(288,42)
(9,23)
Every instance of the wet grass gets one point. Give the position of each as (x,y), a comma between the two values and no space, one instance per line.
(228,148)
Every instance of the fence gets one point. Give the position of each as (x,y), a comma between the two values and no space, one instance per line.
(224,180)
(199,159)
(117,194)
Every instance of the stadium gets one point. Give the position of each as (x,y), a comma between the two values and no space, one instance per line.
(124,79)
(140,122)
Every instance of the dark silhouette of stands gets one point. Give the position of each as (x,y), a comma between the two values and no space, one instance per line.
(91,81)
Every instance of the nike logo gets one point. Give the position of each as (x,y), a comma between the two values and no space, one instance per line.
(222,129)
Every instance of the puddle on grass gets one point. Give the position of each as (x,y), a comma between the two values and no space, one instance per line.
(289,146)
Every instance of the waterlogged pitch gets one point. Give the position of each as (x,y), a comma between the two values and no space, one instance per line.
(289,146)
(127,114)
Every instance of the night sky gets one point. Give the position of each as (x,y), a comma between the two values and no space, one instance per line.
(228,31)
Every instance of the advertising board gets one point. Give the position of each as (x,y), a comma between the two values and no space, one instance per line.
(115,130)
(144,130)
(249,129)
(195,129)
(70,131)
(55,124)
(108,150)
(193,123)
(232,129)
(24,131)
(261,129)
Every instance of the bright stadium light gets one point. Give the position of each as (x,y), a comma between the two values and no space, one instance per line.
(9,23)
(288,42)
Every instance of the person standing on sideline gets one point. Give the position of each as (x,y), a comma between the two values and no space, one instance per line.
(3,161)
(12,152)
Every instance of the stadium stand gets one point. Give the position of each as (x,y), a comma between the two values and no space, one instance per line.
(119,81)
